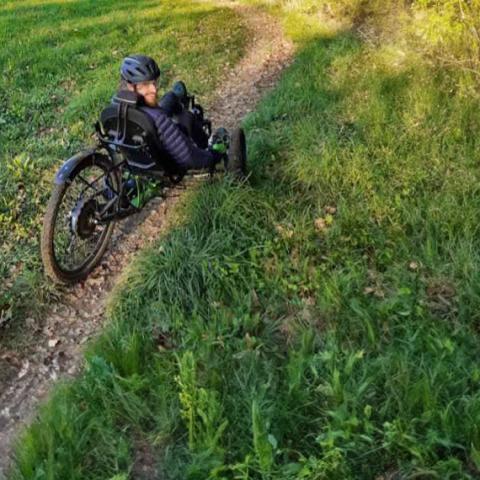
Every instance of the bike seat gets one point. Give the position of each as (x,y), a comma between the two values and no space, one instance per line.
(124,127)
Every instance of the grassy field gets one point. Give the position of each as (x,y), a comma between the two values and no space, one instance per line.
(320,322)
(59,64)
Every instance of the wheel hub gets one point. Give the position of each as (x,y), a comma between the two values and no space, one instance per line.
(82,218)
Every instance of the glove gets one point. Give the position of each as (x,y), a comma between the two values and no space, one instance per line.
(219,142)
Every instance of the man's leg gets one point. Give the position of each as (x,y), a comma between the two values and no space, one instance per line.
(193,127)
(185,121)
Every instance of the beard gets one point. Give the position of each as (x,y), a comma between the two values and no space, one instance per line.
(150,100)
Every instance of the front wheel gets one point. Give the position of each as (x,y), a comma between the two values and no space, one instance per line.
(74,236)
(237,155)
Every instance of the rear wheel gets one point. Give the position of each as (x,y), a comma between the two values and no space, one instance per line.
(74,237)
(237,155)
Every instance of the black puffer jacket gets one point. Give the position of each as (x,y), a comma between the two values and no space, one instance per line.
(179,146)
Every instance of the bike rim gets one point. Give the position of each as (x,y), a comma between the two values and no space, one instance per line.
(78,233)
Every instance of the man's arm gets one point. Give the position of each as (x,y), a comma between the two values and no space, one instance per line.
(181,148)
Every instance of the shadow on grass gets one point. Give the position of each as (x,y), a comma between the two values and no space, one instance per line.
(378,142)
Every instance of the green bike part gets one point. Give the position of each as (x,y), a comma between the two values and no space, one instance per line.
(219,147)
(145,192)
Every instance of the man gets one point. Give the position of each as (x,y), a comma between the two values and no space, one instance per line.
(140,74)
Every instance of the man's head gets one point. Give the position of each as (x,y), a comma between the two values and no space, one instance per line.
(141,74)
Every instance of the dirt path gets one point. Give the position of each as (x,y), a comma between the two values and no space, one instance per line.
(79,315)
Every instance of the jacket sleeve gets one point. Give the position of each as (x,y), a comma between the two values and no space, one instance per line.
(181,148)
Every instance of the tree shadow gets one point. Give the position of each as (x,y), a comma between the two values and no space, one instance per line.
(372,138)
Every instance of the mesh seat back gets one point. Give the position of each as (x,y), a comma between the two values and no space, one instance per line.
(128,129)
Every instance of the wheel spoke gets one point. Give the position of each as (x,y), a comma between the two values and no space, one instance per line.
(90,184)
(71,244)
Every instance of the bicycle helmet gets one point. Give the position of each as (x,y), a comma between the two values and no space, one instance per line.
(139,68)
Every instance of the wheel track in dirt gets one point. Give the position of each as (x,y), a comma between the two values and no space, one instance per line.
(79,314)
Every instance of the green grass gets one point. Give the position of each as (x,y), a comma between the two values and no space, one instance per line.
(59,64)
(319,322)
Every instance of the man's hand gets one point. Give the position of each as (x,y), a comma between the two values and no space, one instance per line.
(219,141)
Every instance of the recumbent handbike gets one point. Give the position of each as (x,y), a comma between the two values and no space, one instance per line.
(112,180)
